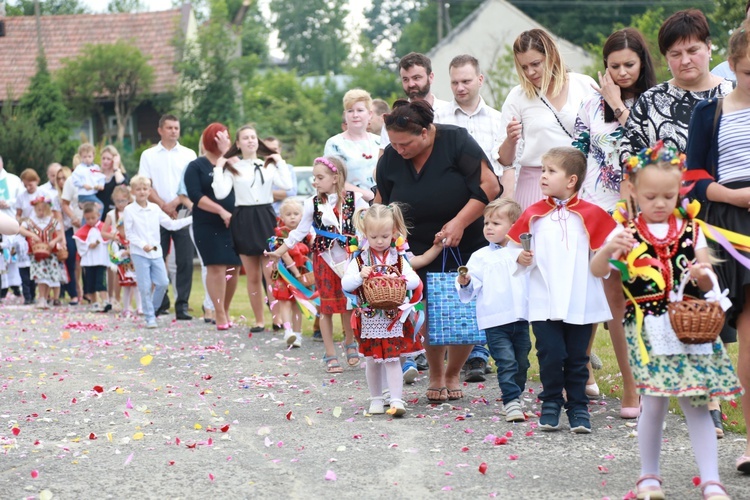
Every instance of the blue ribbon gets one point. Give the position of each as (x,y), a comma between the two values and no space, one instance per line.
(330,235)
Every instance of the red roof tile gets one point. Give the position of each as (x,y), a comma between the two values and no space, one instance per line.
(65,36)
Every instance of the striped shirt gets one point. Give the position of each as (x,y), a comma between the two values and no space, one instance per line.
(734,148)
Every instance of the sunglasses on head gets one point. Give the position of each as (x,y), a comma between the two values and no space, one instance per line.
(401,121)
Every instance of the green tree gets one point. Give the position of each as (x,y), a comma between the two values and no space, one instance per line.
(23,142)
(43,102)
(420,35)
(386,19)
(126,6)
(728,15)
(48,7)
(501,76)
(313,34)
(116,72)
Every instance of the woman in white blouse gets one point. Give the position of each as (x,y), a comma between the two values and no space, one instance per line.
(538,114)
(253,220)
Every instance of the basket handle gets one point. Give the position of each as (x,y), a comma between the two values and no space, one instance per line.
(713,295)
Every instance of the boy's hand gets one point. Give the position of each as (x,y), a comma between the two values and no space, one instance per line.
(147,248)
(87,186)
(94,244)
(365,272)
(525,258)
(464,279)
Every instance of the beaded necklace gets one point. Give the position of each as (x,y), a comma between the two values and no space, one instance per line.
(666,247)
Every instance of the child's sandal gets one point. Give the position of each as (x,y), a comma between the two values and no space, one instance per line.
(332,364)
(714,495)
(650,492)
(352,358)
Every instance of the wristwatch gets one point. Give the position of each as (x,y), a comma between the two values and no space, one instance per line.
(619,112)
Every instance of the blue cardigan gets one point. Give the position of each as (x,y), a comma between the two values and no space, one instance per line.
(703,145)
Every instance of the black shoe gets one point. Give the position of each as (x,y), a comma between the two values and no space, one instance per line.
(421,361)
(107,307)
(183,316)
(276,327)
(475,370)
(716,417)
(317,336)
(161,311)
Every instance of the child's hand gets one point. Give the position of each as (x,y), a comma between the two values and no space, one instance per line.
(36,238)
(87,186)
(699,270)
(525,258)
(272,255)
(147,248)
(365,272)
(94,244)
(621,244)
(464,279)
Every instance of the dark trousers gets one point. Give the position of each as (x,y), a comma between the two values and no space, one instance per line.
(561,349)
(28,286)
(184,250)
(70,264)
(94,279)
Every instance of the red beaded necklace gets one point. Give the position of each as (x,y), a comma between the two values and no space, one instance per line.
(666,247)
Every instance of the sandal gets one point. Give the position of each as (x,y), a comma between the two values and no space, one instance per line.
(714,495)
(743,464)
(352,356)
(442,394)
(651,492)
(332,364)
(454,394)
(257,329)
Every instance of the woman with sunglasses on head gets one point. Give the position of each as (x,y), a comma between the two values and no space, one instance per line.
(538,114)
(444,180)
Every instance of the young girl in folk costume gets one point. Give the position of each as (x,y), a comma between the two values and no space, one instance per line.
(119,250)
(330,213)
(284,293)
(383,338)
(667,245)
(41,227)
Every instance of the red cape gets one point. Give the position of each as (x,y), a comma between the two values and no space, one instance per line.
(597,222)
(83,232)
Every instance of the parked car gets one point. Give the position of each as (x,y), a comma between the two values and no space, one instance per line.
(305,187)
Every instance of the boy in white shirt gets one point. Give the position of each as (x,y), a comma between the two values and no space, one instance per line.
(142,220)
(491,280)
(88,177)
(94,258)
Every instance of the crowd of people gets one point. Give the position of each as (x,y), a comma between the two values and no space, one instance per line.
(529,197)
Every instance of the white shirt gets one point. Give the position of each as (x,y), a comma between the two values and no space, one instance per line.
(328,218)
(353,280)
(561,286)
(253,186)
(70,194)
(23,201)
(494,284)
(142,228)
(10,185)
(165,168)
(437,104)
(97,256)
(484,125)
(540,128)
(88,175)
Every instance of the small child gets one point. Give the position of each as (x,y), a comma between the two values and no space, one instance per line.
(565,299)
(88,177)
(30,180)
(492,281)
(20,250)
(119,249)
(42,227)
(142,221)
(662,365)
(92,248)
(383,339)
(290,213)
(330,213)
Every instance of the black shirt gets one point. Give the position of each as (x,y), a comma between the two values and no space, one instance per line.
(199,174)
(450,177)
(105,195)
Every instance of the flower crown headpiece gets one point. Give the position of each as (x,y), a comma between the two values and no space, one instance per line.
(328,163)
(40,199)
(655,154)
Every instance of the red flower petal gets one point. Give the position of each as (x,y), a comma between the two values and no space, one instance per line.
(92,436)
(696,481)
(289,415)
(98,389)
(16,431)
(483,468)
(225,428)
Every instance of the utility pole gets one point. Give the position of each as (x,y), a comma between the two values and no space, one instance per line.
(440,22)
(38,16)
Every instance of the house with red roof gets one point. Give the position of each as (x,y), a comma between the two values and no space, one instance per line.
(154,33)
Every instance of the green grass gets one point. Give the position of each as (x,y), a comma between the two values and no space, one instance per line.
(608,378)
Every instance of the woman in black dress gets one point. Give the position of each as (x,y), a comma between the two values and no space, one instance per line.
(444,179)
(211,223)
(114,175)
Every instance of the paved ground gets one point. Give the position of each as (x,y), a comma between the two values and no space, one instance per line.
(95,406)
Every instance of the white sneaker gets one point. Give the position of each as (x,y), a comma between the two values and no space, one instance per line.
(290,337)
(96,307)
(513,412)
(151,325)
(410,374)
(298,341)
(376,406)
(397,408)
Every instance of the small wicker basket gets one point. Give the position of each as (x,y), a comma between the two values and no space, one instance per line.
(307,279)
(62,254)
(383,291)
(41,251)
(696,321)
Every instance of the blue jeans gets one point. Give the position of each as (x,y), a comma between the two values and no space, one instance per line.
(91,198)
(510,346)
(561,349)
(478,352)
(150,272)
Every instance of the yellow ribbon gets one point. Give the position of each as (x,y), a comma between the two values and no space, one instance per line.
(638,326)
(644,270)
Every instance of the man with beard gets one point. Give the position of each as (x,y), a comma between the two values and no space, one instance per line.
(416,79)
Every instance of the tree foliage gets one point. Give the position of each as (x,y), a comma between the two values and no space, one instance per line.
(500,76)
(48,7)
(118,72)
(313,34)
(386,20)
(126,6)
(24,143)
(727,16)
(421,34)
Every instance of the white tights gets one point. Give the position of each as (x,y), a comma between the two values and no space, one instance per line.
(393,378)
(702,437)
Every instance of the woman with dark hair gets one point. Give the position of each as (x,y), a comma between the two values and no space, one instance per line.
(211,218)
(444,180)
(720,147)
(629,71)
(538,114)
(663,111)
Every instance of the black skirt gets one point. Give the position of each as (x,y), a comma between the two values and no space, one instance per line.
(251,227)
(732,275)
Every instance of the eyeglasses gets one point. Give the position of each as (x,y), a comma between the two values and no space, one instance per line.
(401,121)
